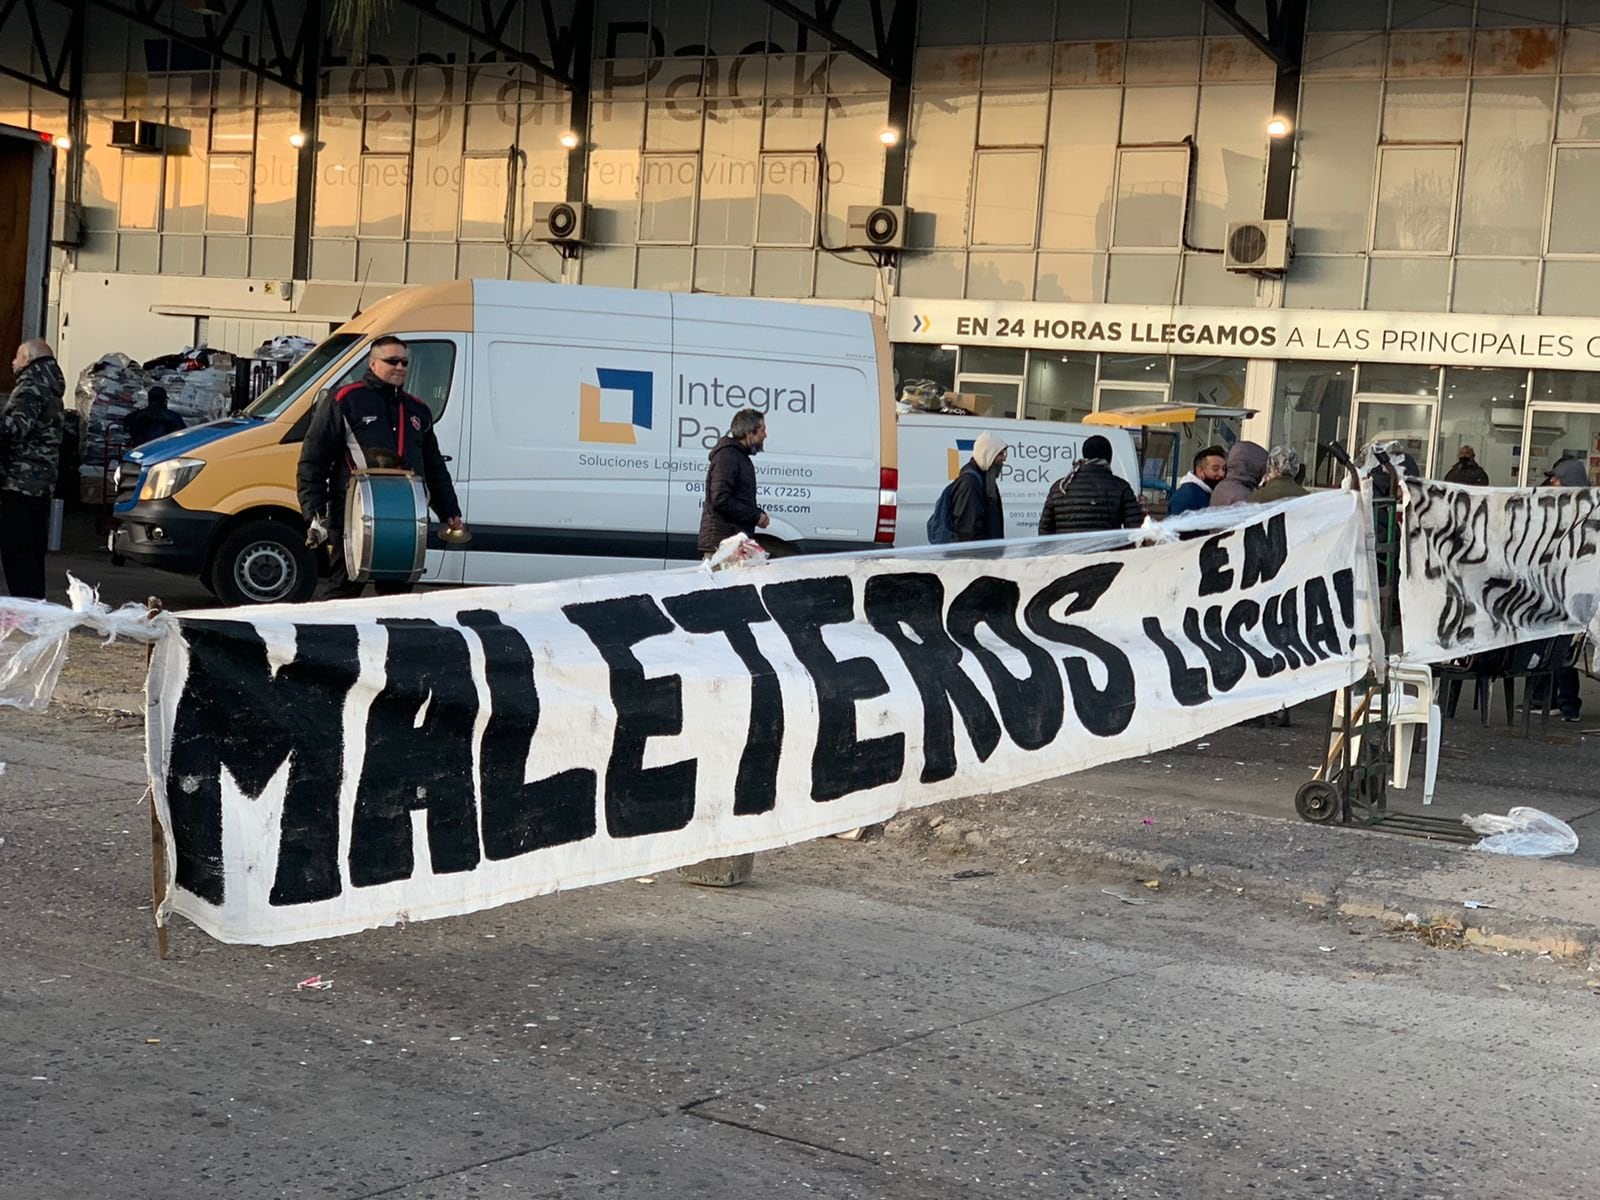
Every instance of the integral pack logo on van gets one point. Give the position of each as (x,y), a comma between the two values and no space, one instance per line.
(640,385)
(963,446)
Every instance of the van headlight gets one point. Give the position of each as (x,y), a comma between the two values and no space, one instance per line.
(167,478)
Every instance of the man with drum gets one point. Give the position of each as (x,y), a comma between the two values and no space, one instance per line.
(371,424)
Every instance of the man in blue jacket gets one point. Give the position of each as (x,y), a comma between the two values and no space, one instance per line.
(1194,489)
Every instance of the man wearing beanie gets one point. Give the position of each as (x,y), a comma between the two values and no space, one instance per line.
(976,513)
(1090,496)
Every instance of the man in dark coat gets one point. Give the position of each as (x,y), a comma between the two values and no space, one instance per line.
(1467,470)
(373,423)
(1194,489)
(1091,497)
(154,420)
(730,505)
(30,448)
(977,513)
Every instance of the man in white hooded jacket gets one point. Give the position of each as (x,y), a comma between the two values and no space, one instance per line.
(976,512)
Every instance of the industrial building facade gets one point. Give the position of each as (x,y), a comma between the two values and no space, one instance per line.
(1069,168)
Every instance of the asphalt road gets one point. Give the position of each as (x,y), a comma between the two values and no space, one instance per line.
(860,1021)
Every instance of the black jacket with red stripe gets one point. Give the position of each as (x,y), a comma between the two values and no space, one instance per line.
(369,424)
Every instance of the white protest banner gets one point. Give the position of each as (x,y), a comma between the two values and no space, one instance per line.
(1483,568)
(321,769)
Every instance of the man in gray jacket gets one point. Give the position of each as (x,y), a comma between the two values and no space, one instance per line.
(30,453)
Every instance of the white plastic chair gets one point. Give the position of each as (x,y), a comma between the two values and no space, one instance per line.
(1411,703)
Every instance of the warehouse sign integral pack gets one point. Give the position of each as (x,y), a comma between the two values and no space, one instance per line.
(323,769)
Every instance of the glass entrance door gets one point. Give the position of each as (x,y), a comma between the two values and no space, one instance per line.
(1552,432)
(1404,419)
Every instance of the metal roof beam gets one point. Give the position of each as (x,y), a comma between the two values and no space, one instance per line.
(21,26)
(820,22)
(219,38)
(487,27)
(1271,41)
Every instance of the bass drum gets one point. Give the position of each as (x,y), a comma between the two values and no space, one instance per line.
(385,527)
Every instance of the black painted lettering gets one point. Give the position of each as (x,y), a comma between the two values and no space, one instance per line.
(1321,631)
(639,800)
(1222,656)
(1280,621)
(518,816)
(1215,574)
(1188,683)
(236,714)
(731,612)
(1031,709)
(1266,549)
(1104,711)
(842,762)
(914,602)
(419,755)
(1246,614)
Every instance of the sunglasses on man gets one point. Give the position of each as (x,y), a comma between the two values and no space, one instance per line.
(396,362)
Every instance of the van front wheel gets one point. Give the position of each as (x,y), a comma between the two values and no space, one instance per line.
(264,562)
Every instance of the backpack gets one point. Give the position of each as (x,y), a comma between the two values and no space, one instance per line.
(941,531)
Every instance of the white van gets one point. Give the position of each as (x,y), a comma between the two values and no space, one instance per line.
(935,446)
(578,422)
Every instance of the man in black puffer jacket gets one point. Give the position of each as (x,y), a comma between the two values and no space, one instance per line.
(730,505)
(1091,497)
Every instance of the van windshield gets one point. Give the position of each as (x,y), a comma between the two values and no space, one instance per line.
(298,377)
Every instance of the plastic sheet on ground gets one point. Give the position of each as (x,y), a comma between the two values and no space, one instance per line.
(34,633)
(1526,832)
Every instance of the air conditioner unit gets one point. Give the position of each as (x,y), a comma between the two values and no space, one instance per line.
(1507,418)
(148,137)
(1258,247)
(877,226)
(561,223)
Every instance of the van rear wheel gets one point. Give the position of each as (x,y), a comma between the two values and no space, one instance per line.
(264,562)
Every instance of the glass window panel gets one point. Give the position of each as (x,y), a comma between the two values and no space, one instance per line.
(855,160)
(1416,196)
(544,181)
(793,124)
(1349,14)
(944,130)
(725,272)
(384,184)
(1424,111)
(729,169)
(491,127)
(435,194)
(1311,408)
(1495,286)
(1071,278)
(228,193)
(615,134)
(672,125)
(1397,379)
(1003,397)
(1338,133)
(1230,158)
(785,273)
(1060,385)
(1000,276)
(1134,368)
(788,212)
(1005,207)
(940,275)
(1573,229)
(1142,279)
(1570,289)
(1409,424)
(276,169)
(1325,282)
(1409,284)
(1566,387)
(1507,160)
(841,278)
(1482,410)
(666,268)
(916,362)
(1105,19)
(233,130)
(338,175)
(1150,188)
(483,198)
(1080,164)
(667,192)
(388,129)
(185,192)
(1158,114)
(1012,118)
(1578,119)
(992,360)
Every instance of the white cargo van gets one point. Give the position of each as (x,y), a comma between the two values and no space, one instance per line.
(578,422)
(934,446)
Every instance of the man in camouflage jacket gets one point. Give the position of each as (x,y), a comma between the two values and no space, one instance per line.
(30,450)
